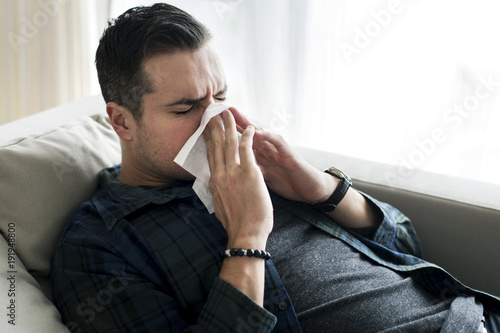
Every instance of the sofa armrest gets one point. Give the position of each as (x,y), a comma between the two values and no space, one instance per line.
(461,238)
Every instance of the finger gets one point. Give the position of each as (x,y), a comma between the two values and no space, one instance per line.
(268,139)
(247,156)
(230,139)
(264,148)
(214,137)
(242,122)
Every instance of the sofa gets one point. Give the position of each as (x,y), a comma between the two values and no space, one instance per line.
(49,164)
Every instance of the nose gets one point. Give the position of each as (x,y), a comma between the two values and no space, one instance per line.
(207,101)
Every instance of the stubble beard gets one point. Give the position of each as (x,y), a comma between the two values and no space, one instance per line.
(159,163)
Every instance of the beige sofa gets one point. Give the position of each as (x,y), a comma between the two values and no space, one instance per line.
(49,163)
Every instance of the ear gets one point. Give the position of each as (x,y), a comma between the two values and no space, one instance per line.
(121,120)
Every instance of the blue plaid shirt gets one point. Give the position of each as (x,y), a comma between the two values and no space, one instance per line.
(146,259)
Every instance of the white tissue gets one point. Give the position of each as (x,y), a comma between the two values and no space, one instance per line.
(193,157)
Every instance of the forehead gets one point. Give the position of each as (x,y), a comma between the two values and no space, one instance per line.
(185,72)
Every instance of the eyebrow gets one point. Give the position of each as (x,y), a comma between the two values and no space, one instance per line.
(186,101)
(192,101)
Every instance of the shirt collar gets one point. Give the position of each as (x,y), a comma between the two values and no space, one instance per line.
(115,200)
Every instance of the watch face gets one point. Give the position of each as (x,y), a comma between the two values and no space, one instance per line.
(339,173)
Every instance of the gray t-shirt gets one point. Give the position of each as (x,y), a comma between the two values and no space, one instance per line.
(335,288)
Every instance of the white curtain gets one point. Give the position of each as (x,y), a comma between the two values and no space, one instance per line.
(47,53)
(410,86)
(414,85)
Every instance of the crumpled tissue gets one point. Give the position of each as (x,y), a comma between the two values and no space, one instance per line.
(193,157)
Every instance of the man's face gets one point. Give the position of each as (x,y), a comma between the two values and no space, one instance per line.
(185,84)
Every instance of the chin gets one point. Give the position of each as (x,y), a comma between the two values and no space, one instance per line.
(182,174)
(188,177)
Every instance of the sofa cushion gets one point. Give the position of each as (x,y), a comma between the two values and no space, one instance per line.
(24,306)
(44,177)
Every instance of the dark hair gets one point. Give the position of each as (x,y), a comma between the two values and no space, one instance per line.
(134,37)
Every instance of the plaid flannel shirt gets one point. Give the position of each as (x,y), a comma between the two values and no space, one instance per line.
(146,259)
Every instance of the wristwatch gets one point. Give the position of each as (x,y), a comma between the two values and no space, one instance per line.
(332,202)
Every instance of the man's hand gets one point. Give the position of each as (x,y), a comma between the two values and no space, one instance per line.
(241,199)
(285,172)
(290,176)
(241,202)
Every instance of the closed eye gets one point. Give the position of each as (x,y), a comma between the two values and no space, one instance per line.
(179,113)
(221,95)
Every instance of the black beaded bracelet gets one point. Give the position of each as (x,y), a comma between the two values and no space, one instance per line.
(249,253)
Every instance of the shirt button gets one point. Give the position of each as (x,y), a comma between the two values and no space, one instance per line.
(282,305)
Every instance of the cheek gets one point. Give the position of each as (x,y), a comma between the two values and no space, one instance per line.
(168,136)
(180,135)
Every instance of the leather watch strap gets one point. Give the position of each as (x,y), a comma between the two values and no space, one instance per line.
(332,202)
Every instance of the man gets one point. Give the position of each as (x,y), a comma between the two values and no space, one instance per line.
(144,255)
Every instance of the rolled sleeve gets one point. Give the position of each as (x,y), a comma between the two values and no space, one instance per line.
(229,310)
(396,232)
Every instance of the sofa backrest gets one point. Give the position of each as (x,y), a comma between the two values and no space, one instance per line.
(48,166)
